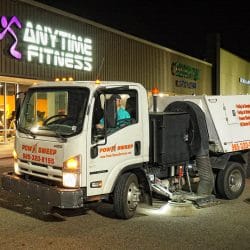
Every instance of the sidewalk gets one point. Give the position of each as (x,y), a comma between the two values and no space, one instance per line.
(6,150)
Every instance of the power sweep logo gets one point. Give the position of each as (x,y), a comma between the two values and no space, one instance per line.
(7,29)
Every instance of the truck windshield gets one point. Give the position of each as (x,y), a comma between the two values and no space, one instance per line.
(57,112)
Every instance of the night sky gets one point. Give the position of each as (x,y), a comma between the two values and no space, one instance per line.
(182,26)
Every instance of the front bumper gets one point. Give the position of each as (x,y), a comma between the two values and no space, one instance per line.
(49,196)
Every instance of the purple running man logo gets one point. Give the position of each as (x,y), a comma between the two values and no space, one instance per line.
(7,29)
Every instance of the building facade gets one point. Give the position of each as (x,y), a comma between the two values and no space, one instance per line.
(40,43)
(234,74)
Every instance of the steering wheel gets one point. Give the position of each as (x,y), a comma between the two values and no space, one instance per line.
(124,122)
(45,122)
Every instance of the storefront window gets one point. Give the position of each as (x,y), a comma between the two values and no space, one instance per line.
(10,109)
(2,85)
(7,111)
(2,111)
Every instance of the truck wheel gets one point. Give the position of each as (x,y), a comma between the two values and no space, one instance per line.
(230,181)
(126,196)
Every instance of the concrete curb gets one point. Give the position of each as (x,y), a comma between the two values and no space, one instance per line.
(5,157)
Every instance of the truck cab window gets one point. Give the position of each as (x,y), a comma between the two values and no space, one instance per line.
(54,111)
(126,111)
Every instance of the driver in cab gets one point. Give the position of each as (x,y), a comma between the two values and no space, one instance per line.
(122,114)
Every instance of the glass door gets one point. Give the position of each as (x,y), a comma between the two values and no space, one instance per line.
(7,111)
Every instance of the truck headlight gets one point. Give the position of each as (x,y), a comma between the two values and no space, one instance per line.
(16,167)
(71,172)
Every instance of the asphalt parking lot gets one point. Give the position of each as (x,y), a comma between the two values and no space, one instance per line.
(23,225)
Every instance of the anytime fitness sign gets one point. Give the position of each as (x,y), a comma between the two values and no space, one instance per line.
(49,46)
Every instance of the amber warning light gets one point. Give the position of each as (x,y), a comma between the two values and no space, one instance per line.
(155,91)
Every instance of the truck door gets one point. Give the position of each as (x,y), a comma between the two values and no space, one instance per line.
(123,144)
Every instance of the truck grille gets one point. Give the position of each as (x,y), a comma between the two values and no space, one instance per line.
(40,170)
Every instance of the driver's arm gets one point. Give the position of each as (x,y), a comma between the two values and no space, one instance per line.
(100,125)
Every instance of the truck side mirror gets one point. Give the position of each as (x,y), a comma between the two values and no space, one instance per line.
(110,113)
(19,101)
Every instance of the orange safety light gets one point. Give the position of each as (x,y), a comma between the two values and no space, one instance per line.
(180,171)
(155,91)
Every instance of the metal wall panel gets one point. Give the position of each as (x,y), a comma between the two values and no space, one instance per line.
(124,58)
(233,68)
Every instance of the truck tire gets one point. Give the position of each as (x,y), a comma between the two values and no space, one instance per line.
(126,196)
(230,181)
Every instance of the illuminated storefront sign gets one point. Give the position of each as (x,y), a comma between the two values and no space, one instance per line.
(57,47)
(185,71)
(186,84)
(244,81)
(49,46)
(6,26)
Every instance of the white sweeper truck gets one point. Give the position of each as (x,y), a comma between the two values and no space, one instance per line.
(175,147)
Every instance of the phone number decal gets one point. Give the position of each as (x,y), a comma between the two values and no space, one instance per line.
(38,158)
(240,146)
